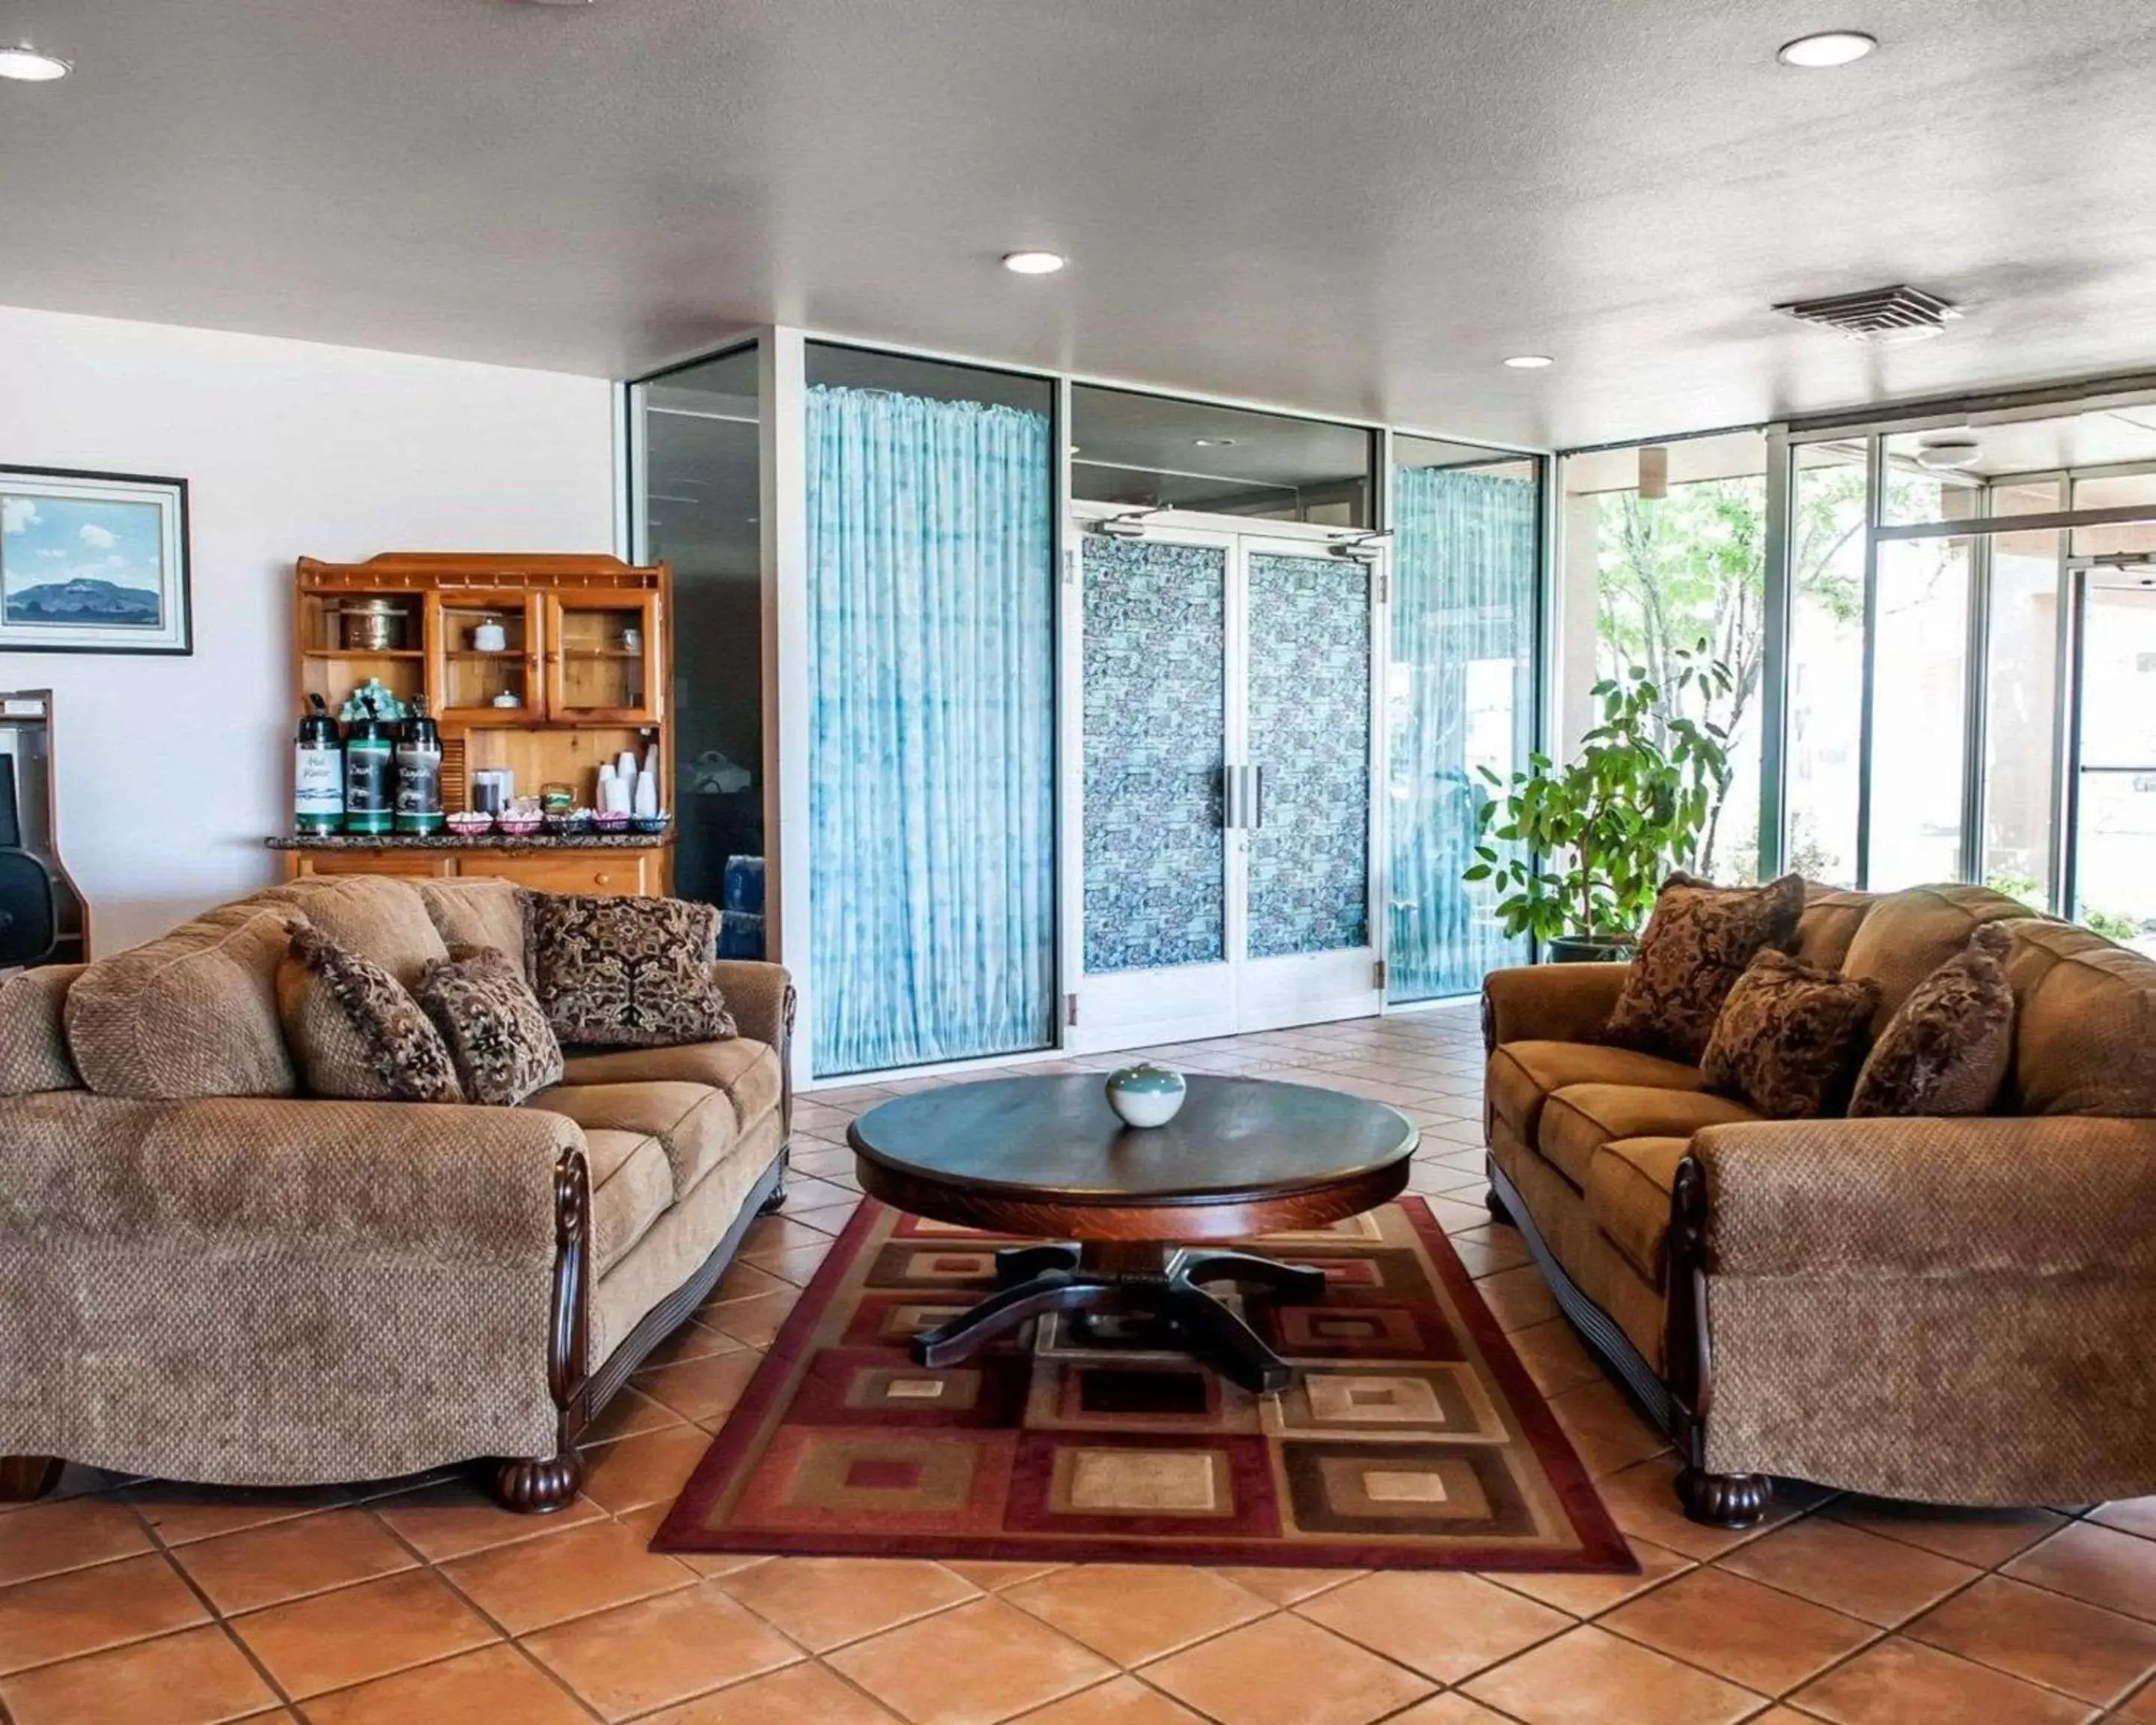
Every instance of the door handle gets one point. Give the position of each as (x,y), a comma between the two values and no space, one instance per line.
(1257,810)
(1231,799)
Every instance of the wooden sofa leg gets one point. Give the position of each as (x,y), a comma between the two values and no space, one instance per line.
(1722,1499)
(538,1485)
(23,1477)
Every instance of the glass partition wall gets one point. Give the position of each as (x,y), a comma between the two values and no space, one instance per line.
(695,448)
(931,598)
(1461,698)
(1081,713)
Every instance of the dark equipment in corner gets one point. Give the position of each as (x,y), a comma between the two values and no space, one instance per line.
(43,920)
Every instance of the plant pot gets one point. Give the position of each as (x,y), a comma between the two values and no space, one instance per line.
(1587,949)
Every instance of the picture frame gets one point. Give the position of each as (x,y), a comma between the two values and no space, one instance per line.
(93,563)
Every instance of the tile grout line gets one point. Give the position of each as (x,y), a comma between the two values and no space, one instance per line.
(217,1615)
(488,1617)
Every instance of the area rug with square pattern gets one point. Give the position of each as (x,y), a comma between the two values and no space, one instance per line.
(1411,1438)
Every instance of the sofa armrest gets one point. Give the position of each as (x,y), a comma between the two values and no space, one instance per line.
(402,1176)
(2052,1195)
(1549,1003)
(252,1291)
(761,997)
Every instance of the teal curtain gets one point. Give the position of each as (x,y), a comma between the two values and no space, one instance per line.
(1464,564)
(932,807)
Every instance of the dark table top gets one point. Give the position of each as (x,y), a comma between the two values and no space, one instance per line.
(1056,1138)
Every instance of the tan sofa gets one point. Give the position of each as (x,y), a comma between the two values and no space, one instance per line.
(1956,1310)
(206,1275)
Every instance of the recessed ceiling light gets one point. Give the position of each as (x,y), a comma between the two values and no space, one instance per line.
(28,66)
(1949,453)
(1829,47)
(1033,263)
(1214,442)
(1529,361)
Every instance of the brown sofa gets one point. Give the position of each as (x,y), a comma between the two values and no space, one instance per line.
(206,1275)
(1958,1311)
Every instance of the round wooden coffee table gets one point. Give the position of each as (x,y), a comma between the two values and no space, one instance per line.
(1046,1158)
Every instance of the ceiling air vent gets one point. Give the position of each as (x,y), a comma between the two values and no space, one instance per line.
(1880,315)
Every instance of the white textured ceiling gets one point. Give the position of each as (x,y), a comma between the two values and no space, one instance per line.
(1349,206)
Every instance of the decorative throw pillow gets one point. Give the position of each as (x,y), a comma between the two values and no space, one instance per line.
(1698,941)
(354,1030)
(1790,1035)
(1946,1048)
(503,1048)
(625,973)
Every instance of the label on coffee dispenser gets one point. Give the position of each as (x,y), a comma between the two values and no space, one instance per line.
(317,788)
(419,788)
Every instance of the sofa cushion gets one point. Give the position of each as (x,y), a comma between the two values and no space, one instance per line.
(1948,1046)
(631,1189)
(1629,1184)
(192,1013)
(1790,1036)
(499,1041)
(1909,935)
(354,1030)
(1579,1119)
(625,973)
(1696,944)
(1832,916)
(694,1123)
(2085,1042)
(381,919)
(477,911)
(33,1048)
(745,1070)
(1522,1074)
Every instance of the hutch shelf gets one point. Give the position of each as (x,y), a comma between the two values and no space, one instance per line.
(547,665)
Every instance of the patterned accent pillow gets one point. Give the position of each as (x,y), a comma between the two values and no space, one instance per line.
(503,1047)
(1698,943)
(1946,1048)
(353,1030)
(625,973)
(1790,1036)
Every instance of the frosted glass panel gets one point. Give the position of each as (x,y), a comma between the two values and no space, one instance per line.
(1155,653)
(1460,696)
(1309,624)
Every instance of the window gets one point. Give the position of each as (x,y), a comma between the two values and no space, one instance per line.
(1153,451)
(1824,729)
(1655,569)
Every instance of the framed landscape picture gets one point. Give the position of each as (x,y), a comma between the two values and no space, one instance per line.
(93,562)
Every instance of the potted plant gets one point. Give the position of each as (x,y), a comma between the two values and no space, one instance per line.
(1585,846)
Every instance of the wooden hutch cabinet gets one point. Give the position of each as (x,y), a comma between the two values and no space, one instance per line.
(575,675)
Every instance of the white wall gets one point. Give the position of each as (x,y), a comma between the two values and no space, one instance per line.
(173,771)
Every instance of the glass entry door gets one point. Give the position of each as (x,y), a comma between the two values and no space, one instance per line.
(1224,833)
(2112,887)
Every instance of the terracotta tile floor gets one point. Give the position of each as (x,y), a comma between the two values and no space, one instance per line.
(418,1602)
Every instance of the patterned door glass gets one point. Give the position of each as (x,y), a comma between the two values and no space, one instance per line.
(1309,622)
(1155,647)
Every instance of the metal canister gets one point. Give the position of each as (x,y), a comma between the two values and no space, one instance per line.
(371,626)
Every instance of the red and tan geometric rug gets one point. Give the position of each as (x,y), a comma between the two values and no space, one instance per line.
(1411,1438)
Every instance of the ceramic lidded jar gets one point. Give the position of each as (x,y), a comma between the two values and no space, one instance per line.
(1146,1094)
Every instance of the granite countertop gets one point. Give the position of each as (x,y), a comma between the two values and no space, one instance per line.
(487,841)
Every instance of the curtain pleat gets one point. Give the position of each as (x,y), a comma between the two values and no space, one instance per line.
(931,804)
(1463,645)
